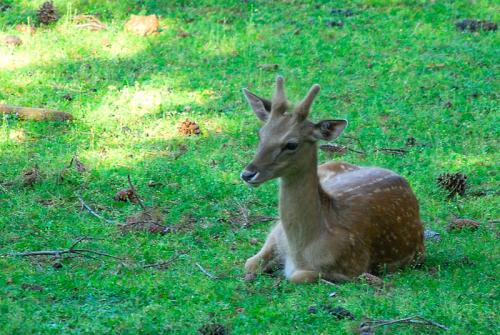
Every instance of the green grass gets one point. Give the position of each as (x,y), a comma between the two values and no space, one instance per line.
(378,71)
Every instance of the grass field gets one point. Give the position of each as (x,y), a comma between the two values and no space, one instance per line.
(395,69)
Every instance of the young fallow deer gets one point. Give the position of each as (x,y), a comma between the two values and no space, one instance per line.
(338,220)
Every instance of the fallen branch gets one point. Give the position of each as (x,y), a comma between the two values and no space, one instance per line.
(134,191)
(327,282)
(58,253)
(91,211)
(167,263)
(392,151)
(89,22)
(371,325)
(35,114)
(363,150)
(245,222)
(206,272)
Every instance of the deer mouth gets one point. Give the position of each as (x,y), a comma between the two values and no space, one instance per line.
(251,178)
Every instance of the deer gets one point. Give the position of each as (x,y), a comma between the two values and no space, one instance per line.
(337,220)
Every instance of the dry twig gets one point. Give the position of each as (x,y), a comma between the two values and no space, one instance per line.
(363,150)
(35,114)
(167,263)
(91,211)
(58,253)
(89,22)
(134,191)
(392,151)
(206,272)
(371,325)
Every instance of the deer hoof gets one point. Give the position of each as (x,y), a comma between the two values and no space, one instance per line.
(251,265)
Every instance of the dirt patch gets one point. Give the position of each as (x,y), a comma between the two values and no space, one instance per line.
(149,220)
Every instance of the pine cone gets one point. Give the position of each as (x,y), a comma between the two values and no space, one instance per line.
(189,127)
(47,13)
(454,183)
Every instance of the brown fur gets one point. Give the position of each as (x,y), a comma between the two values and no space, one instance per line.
(337,220)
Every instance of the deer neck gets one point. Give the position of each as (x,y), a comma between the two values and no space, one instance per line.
(300,204)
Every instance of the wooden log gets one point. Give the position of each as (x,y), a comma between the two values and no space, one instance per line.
(36,114)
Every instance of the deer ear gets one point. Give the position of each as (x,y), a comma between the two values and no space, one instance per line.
(260,106)
(329,129)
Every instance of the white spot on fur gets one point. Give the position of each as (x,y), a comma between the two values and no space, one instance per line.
(289,267)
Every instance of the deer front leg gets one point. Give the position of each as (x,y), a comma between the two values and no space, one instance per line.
(265,254)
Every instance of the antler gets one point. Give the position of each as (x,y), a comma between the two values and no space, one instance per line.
(279,101)
(305,105)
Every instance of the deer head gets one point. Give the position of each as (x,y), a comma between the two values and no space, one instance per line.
(287,139)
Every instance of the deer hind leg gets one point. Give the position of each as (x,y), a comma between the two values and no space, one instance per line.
(266,255)
(304,276)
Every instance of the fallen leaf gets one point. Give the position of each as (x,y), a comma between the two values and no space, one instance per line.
(372,280)
(312,309)
(333,23)
(339,313)
(31,177)
(153,183)
(13,41)
(143,25)
(32,287)
(47,202)
(24,28)
(459,224)
(183,34)
(105,42)
(89,22)
(213,329)
(250,276)
(268,67)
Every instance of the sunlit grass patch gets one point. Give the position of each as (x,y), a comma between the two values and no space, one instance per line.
(396,70)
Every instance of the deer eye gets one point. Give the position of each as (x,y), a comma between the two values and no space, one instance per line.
(291,146)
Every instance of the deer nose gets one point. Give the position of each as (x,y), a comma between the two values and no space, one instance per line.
(248,175)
